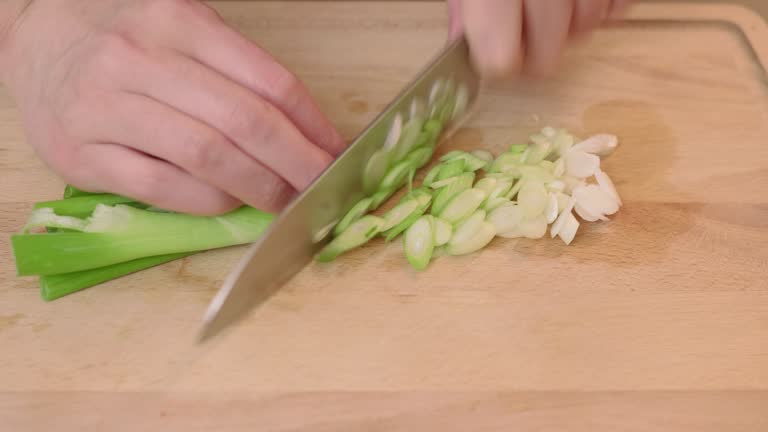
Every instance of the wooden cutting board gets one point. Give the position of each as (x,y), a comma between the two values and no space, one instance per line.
(657,319)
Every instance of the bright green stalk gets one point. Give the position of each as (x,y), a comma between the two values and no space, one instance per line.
(83,205)
(122,233)
(60,285)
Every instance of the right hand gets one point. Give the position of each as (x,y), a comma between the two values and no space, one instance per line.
(161,101)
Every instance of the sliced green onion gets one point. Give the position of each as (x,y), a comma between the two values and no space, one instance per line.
(451,169)
(515,189)
(539,152)
(420,243)
(431,176)
(493,204)
(122,233)
(484,155)
(374,172)
(399,213)
(356,212)
(393,137)
(446,194)
(409,138)
(506,217)
(517,148)
(397,175)
(487,184)
(505,160)
(416,193)
(355,236)
(442,183)
(381,197)
(56,286)
(443,232)
(533,228)
(532,198)
(462,206)
(395,231)
(420,157)
(472,235)
(433,127)
(451,155)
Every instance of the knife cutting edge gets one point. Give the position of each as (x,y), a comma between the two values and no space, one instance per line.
(301,230)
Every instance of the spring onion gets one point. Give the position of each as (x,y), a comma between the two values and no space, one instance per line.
(463,205)
(423,204)
(356,212)
(420,242)
(56,286)
(472,235)
(356,235)
(447,193)
(122,233)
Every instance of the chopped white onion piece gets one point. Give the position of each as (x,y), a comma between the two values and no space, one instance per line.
(581,164)
(606,184)
(550,212)
(601,145)
(563,201)
(586,214)
(557,226)
(572,183)
(593,200)
(506,217)
(568,229)
(532,198)
(556,186)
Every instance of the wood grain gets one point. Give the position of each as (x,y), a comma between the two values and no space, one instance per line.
(656,320)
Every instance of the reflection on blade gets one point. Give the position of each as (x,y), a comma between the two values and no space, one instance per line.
(377,164)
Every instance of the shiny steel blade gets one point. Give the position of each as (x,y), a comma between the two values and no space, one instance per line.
(297,234)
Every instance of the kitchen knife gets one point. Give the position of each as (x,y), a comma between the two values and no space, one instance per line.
(302,228)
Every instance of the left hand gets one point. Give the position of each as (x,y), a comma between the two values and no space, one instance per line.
(525,36)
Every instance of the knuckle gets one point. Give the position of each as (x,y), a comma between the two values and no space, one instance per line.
(249,120)
(204,152)
(111,53)
(287,89)
(273,192)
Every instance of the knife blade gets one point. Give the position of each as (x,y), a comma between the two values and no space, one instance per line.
(302,228)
